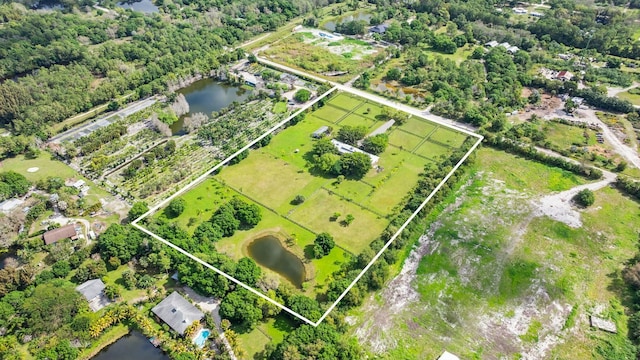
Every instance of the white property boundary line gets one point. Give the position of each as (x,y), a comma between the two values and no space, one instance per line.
(251,289)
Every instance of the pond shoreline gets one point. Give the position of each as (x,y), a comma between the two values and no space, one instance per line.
(281,236)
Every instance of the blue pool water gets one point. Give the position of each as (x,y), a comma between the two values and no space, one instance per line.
(202,336)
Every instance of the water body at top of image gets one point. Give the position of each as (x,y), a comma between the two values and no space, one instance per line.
(133,346)
(269,252)
(331,25)
(143,6)
(208,95)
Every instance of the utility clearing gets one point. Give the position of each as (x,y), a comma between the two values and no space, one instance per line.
(509,273)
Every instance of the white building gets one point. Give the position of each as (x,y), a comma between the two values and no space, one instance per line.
(347,149)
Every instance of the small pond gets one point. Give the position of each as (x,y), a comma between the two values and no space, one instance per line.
(133,346)
(208,95)
(269,252)
(143,6)
(331,25)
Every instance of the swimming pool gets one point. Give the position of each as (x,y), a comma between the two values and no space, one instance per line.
(202,336)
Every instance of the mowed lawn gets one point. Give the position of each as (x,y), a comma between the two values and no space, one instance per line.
(346,101)
(448,136)
(48,167)
(432,150)
(269,179)
(316,212)
(404,140)
(419,127)
(272,176)
(330,113)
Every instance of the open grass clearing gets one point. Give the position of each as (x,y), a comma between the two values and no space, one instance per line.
(292,143)
(315,213)
(273,181)
(633,98)
(526,175)
(346,101)
(402,179)
(565,136)
(369,109)
(404,140)
(449,137)
(432,150)
(357,120)
(330,113)
(279,107)
(49,167)
(418,127)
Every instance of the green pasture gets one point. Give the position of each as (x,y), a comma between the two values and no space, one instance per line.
(272,176)
(432,150)
(526,175)
(346,101)
(48,167)
(369,109)
(404,140)
(330,113)
(357,120)
(448,136)
(272,180)
(418,127)
(316,213)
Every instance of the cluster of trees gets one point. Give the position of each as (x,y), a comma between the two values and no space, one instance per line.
(302,95)
(322,245)
(13,184)
(585,198)
(97,139)
(376,144)
(156,154)
(54,71)
(327,159)
(628,186)
(231,216)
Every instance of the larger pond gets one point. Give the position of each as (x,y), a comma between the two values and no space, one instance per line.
(209,95)
(133,346)
(143,6)
(269,252)
(331,25)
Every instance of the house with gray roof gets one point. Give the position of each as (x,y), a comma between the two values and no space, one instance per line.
(177,312)
(93,291)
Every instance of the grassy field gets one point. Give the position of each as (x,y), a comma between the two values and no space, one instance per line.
(272,331)
(47,167)
(498,272)
(274,175)
(526,175)
(633,98)
(315,55)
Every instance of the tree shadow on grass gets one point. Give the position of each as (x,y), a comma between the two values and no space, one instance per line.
(308,252)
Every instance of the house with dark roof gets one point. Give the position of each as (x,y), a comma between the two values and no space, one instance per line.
(55,235)
(177,312)
(93,291)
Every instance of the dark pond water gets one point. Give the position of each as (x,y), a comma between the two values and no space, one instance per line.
(208,95)
(331,25)
(143,6)
(269,252)
(133,346)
